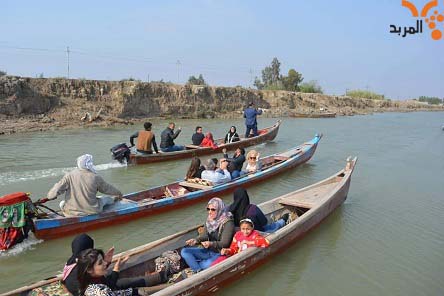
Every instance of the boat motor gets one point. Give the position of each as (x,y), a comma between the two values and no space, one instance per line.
(16,213)
(121,152)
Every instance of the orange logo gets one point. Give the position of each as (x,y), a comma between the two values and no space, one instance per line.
(433,19)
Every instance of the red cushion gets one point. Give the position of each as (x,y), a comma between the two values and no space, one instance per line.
(13,198)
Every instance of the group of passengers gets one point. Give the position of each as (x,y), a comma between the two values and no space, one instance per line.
(229,168)
(146,142)
(85,272)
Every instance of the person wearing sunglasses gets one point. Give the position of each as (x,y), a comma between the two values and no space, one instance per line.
(218,233)
(217,175)
(253,163)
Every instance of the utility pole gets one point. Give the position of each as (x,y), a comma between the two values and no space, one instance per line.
(178,69)
(67,51)
(148,78)
(251,77)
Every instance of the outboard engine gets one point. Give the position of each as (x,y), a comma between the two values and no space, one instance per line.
(121,152)
(16,213)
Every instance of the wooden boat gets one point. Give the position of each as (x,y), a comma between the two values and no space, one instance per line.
(265,135)
(170,196)
(314,115)
(309,206)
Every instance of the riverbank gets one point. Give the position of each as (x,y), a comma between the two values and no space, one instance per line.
(40,104)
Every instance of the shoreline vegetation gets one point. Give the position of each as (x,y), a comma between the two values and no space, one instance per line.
(42,104)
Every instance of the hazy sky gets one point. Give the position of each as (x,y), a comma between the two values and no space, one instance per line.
(342,44)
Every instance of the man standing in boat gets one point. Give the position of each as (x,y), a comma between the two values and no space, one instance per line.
(145,139)
(167,139)
(80,187)
(250,119)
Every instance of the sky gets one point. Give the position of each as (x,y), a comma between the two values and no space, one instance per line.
(343,44)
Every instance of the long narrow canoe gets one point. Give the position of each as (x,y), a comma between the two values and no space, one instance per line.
(265,135)
(309,205)
(171,196)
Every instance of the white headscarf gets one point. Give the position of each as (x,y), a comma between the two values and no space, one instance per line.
(85,162)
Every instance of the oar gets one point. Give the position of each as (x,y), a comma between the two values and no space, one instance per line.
(41,201)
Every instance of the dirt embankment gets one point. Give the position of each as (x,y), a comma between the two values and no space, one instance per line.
(37,104)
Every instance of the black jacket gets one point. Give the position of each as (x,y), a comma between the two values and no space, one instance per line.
(167,137)
(197,138)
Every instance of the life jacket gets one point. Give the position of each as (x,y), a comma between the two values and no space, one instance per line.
(144,141)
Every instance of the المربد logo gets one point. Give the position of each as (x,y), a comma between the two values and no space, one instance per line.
(432,20)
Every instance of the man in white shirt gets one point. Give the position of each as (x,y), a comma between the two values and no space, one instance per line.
(216,175)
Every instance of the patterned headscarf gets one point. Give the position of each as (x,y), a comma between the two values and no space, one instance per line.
(86,162)
(222,215)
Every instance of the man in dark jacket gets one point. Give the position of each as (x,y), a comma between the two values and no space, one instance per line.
(167,139)
(250,119)
(198,136)
(236,162)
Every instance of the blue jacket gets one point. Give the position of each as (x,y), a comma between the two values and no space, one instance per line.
(250,116)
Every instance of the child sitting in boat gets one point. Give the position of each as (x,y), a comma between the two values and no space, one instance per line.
(247,237)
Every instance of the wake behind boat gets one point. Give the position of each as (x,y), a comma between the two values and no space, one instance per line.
(265,135)
(169,197)
(309,207)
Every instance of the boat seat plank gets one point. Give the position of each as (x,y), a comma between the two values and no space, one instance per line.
(308,199)
(296,203)
(191,146)
(194,185)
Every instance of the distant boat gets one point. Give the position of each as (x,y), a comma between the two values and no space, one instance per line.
(265,135)
(309,207)
(313,115)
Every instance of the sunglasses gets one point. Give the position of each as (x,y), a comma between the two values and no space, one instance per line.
(252,157)
(211,209)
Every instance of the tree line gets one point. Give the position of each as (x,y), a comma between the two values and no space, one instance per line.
(272,79)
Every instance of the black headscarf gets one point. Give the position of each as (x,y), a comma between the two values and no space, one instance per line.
(232,133)
(240,205)
(79,244)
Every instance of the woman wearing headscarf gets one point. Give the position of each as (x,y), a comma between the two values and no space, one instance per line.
(80,187)
(208,141)
(218,233)
(70,279)
(242,208)
(231,136)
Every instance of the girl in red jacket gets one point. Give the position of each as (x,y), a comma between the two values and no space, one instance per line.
(247,237)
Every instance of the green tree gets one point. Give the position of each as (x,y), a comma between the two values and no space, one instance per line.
(310,87)
(267,76)
(275,71)
(430,100)
(2,73)
(258,83)
(292,81)
(197,81)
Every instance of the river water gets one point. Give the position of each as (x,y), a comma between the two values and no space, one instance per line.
(387,239)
